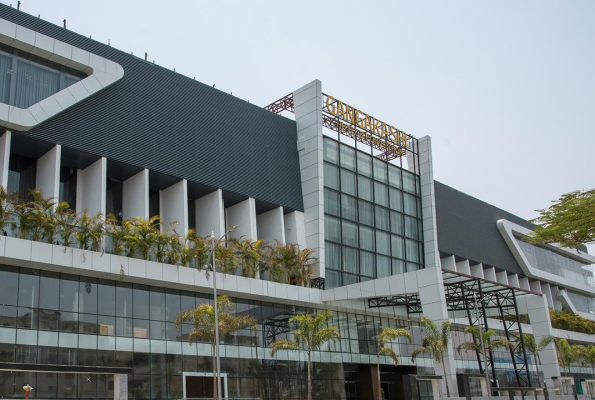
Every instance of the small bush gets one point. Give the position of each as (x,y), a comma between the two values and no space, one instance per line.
(571,322)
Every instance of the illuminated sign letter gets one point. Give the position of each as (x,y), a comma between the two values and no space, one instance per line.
(330,105)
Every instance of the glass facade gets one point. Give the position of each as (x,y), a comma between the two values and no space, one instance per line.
(52,318)
(372,217)
(26,79)
(558,264)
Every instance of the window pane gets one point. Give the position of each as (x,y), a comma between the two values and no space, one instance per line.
(349,233)
(331,202)
(381,194)
(348,182)
(364,188)
(333,256)
(124,300)
(157,304)
(366,238)
(348,157)
(172,305)
(29,288)
(9,285)
(348,207)
(333,279)
(332,230)
(396,223)
(411,227)
(383,266)
(88,324)
(380,170)
(331,176)
(106,291)
(397,246)
(394,176)
(364,164)
(412,250)
(140,301)
(350,260)
(331,151)
(382,242)
(408,182)
(396,202)
(88,295)
(366,213)
(410,204)
(49,290)
(398,267)
(69,287)
(382,221)
(349,279)
(367,264)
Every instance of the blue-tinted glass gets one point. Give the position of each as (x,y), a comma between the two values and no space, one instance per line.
(49,290)
(366,238)
(88,295)
(382,218)
(364,164)
(411,227)
(347,157)
(410,204)
(382,242)
(140,299)
(69,293)
(331,176)
(366,213)
(398,246)
(396,223)
(396,202)
(172,305)
(412,250)
(124,300)
(29,288)
(409,182)
(5,76)
(9,285)
(106,292)
(157,304)
(349,279)
(380,170)
(398,267)
(350,260)
(34,83)
(350,233)
(332,229)
(381,194)
(332,279)
(331,151)
(364,188)
(348,207)
(331,202)
(348,182)
(333,256)
(367,264)
(394,176)
(383,265)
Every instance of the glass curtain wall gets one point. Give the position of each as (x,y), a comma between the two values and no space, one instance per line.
(373,222)
(26,79)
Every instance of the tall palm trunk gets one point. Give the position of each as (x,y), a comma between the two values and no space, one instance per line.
(378,372)
(214,372)
(445,378)
(309,376)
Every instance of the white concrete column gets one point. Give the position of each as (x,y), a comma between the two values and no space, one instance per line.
(173,207)
(210,214)
(308,118)
(477,270)
(539,315)
(271,226)
(120,387)
(4,158)
(295,229)
(448,263)
(135,196)
(502,277)
(433,303)
(463,267)
(47,178)
(91,188)
(243,215)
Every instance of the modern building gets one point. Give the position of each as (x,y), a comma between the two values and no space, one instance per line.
(112,133)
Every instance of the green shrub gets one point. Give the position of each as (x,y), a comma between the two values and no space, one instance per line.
(571,322)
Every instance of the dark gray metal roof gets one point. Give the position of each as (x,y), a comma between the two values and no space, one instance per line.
(161,120)
(467,229)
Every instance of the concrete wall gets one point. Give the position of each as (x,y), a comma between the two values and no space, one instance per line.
(210,214)
(295,229)
(135,196)
(271,226)
(243,215)
(91,188)
(4,157)
(173,207)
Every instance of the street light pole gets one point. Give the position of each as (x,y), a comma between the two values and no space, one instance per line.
(483,349)
(217,359)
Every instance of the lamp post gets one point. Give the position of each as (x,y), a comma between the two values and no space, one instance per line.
(483,349)
(217,359)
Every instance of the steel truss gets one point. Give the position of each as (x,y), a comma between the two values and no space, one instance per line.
(272,328)
(460,296)
(283,104)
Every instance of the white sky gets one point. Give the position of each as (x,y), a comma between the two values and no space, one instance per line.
(505,88)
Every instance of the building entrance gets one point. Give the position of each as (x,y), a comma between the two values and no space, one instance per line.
(361,381)
(199,385)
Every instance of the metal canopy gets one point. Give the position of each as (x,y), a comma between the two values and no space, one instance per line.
(461,292)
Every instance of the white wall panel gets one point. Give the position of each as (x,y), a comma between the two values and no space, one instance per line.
(4,157)
(295,229)
(210,214)
(91,188)
(47,178)
(173,207)
(243,215)
(135,196)
(271,226)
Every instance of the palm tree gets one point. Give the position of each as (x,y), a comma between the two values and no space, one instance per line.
(587,355)
(5,209)
(388,335)
(567,354)
(535,348)
(203,321)
(310,334)
(66,223)
(304,265)
(249,254)
(435,343)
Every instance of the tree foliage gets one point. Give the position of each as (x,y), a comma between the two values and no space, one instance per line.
(587,356)
(386,336)
(571,322)
(570,221)
(489,339)
(567,354)
(310,334)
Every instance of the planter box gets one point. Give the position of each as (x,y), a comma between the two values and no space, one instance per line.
(137,268)
(17,251)
(186,275)
(118,264)
(170,273)
(82,259)
(154,270)
(201,280)
(41,255)
(2,246)
(62,256)
(101,262)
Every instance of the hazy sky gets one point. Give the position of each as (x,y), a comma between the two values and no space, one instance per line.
(505,88)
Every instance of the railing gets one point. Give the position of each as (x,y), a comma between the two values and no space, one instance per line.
(317,283)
